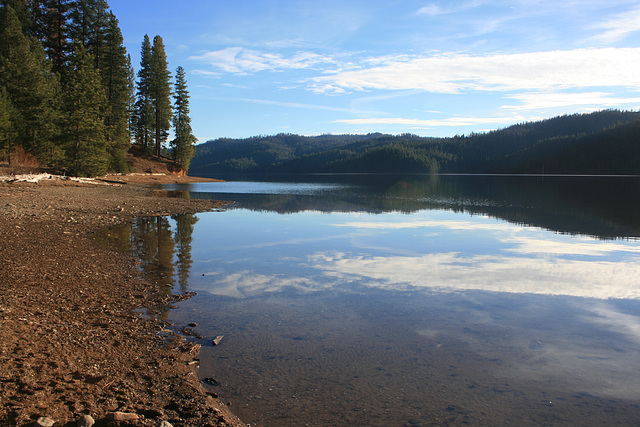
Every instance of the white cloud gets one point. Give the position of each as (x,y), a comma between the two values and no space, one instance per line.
(205,73)
(435,10)
(451,121)
(589,100)
(456,73)
(619,26)
(431,10)
(238,60)
(298,105)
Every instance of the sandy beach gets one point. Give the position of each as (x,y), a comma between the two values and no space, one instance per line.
(70,342)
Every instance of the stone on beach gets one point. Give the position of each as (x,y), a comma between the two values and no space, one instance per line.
(44,422)
(122,416)
(86,421)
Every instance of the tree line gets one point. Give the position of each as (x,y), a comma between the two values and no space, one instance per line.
(602,142)
(69,96)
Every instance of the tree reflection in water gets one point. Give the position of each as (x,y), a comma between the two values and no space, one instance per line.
(163,246)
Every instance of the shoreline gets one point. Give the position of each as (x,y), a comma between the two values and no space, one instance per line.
(70,342)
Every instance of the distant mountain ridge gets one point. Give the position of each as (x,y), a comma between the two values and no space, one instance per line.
(603,142)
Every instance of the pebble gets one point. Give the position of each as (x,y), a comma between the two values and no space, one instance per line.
(165,424)
(122,416)
(44,422)
(86,421)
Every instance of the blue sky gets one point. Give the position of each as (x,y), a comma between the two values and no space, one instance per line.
(432,68)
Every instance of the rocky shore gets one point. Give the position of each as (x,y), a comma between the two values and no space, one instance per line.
(72,348)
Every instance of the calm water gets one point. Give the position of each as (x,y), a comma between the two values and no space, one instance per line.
(389,301)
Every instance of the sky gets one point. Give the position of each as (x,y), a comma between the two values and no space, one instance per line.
(430,68)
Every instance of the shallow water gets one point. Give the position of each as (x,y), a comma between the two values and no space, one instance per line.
(412,301)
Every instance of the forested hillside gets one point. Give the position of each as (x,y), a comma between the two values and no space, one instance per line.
(69,98)
(604,142)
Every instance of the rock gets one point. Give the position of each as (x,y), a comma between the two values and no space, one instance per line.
(217,339)
(122,416)
(44,422)
(86,421)
(165,424)
(210,380)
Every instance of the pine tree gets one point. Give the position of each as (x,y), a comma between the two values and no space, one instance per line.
(31,87)
(23,10)
(98,32)
(84,129)
(144,120)
(184,143)
(52,31)
(6,129)
(81,15)
(115,73)
(89,22)
(131,105)
(160,93)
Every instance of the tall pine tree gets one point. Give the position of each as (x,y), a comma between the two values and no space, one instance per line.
(25,75)
(184,143)
(6,129)
(53,29)
(115,73)
(84,130)
(160,93)
(144,118)
(89,22)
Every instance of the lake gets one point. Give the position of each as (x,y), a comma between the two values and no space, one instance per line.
(410,300)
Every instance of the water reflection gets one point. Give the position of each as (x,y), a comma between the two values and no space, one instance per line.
(163,246)
(412,303)
(431,250)
(603,207)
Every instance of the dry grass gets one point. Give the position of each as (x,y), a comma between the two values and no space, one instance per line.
(20,162)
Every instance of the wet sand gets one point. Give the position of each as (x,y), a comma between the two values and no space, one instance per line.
(70,342)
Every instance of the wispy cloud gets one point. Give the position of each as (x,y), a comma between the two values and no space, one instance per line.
(431,10)
(238,60)
(588,100)
(456,73)
(450,121)
(299,105)
(435,10)
(619,26)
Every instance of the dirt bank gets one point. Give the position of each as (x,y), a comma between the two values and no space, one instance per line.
(70,343)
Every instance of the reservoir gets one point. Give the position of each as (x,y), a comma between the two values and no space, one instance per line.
(409,300)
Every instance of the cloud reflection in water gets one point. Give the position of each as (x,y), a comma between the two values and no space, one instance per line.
(438,252)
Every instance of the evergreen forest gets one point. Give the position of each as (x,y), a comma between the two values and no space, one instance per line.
(70,99)
(602,142)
